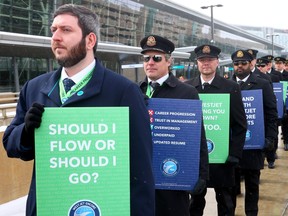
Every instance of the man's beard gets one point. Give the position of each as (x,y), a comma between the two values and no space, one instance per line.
(243,74)
(77,53)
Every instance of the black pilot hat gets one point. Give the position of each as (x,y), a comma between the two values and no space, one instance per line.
(279,59)
(262,61)
(268,57)
(208,51)
(157,43)
(241,55)
(253,52)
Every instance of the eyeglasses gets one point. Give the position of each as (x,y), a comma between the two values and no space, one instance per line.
(156,58)
(261,65)
(240,62)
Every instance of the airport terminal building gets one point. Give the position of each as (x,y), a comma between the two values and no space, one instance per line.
(25,36)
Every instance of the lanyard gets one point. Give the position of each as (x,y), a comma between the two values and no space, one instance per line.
(66,95)
(149,91)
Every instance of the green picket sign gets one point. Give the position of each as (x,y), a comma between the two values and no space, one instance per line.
(82,162)
(285,85)
(216,115)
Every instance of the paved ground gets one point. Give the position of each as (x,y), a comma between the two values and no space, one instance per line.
(273,193)
(273,190)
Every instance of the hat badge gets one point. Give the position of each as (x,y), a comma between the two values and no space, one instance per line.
(251,52)
(206,49)
(260,60)
(240,54)
(269,57)
(151,41)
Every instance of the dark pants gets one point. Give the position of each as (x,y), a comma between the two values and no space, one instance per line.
(284,128)
(252,179)
(224,200)
(270,154)
(172,203)
(277,139)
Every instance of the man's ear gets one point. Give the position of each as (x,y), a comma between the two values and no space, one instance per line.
(91,40)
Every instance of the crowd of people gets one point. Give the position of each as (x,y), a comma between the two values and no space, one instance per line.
(75,33)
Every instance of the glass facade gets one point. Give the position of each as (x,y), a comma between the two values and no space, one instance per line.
(280,38)
(123,22)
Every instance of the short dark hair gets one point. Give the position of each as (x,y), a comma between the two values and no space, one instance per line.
(88,21)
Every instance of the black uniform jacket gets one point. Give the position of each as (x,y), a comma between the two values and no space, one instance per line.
(275,78)
(174,202)
(285,75)
(253,159)
(173,88)
(222,175)
(262,75)
(278,73)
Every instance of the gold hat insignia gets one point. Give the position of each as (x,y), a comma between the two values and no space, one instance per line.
(151,41)
(206,49)
(240,54)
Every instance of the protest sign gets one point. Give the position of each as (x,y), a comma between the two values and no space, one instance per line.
(285,85)
(278,91)
(176,130)
(216,115)
(253,105)
(82,162)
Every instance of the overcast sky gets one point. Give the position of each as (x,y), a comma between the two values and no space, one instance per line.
(245,12)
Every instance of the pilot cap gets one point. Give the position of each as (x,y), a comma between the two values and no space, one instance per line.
(157,43)
(208,51)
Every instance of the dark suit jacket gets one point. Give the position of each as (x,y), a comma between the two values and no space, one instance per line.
(285,75)
(253,159)
(275,78)
(277,73)
(222,175)
(105,89)
(262,75)
(168,202)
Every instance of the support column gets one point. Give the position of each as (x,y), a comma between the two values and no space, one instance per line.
(49,65)
(16,74)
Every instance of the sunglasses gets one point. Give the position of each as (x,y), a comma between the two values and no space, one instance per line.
(240,62)
(156,58)
(261,65)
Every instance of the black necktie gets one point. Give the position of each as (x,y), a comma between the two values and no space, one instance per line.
(205,85)
(240,82)
(68,83)
(154,85)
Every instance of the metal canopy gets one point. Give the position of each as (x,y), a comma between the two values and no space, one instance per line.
(31,46)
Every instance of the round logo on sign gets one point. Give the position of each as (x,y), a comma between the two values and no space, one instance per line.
(84,207)
(210,146)
(170,167)
(248,135)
